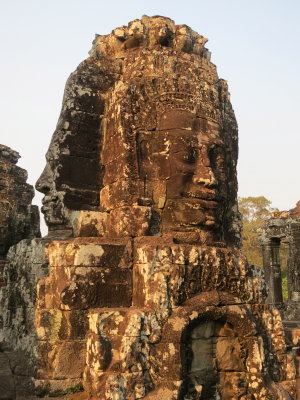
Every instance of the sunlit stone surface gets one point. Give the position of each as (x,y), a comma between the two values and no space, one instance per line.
(140,290)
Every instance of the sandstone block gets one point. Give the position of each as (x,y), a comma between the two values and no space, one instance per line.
(120,194)
(89,223)
(93,252)
(55,387)
(55,324)
(60,359)
(130,221)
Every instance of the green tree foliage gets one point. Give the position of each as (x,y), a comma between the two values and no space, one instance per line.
(255,210)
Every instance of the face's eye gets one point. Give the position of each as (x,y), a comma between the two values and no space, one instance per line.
(190,155)
(217,157)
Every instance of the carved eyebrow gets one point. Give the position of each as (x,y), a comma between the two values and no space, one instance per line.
(210,141)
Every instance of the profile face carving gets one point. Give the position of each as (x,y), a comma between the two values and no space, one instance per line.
(72,177)
(55,213)
(69,182)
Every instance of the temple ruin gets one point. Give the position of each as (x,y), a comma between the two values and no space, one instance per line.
(140,290)
(283,229)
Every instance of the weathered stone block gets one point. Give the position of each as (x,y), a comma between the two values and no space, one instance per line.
(55,324)
(92,287)
(93,252)
(130,221)
(121,166)
(228,354)
(89,223)
(167,390)
(233,384)
(60,359)
(120,194)
(166,359)
(55,387)
(158,286)
(148,248)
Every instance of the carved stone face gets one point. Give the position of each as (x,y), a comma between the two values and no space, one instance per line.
(70,181)
(190,162)
(72,177)
(170,143)
(166,142)
(181,169)
(53,208)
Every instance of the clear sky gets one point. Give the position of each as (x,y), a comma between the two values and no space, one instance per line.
(254,43)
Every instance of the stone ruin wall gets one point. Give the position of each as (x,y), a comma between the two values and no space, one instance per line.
(283,229)
(142,291)
(18,220)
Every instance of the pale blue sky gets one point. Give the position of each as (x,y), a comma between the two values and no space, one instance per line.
(254,43)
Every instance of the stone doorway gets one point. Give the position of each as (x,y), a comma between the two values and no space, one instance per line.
(213,360)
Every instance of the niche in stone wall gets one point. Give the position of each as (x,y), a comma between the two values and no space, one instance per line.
(213,359)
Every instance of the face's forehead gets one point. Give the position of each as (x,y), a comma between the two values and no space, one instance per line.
(54,150)
(177,139)
(172,140)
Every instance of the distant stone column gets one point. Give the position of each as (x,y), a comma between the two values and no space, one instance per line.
(283,227)
(275,278)
(294,265)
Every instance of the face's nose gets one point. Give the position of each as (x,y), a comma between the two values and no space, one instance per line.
(203,173)
(45,181)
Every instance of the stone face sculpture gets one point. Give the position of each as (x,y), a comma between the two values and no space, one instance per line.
(73,175)
(151,297)
(18,218)
(170,158)
(167,141)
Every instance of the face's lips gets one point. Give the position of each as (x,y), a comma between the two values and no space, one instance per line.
(202,195)
(49,199)
(219,195)
(49,202)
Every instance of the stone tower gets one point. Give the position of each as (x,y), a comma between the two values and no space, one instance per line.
(141,289)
